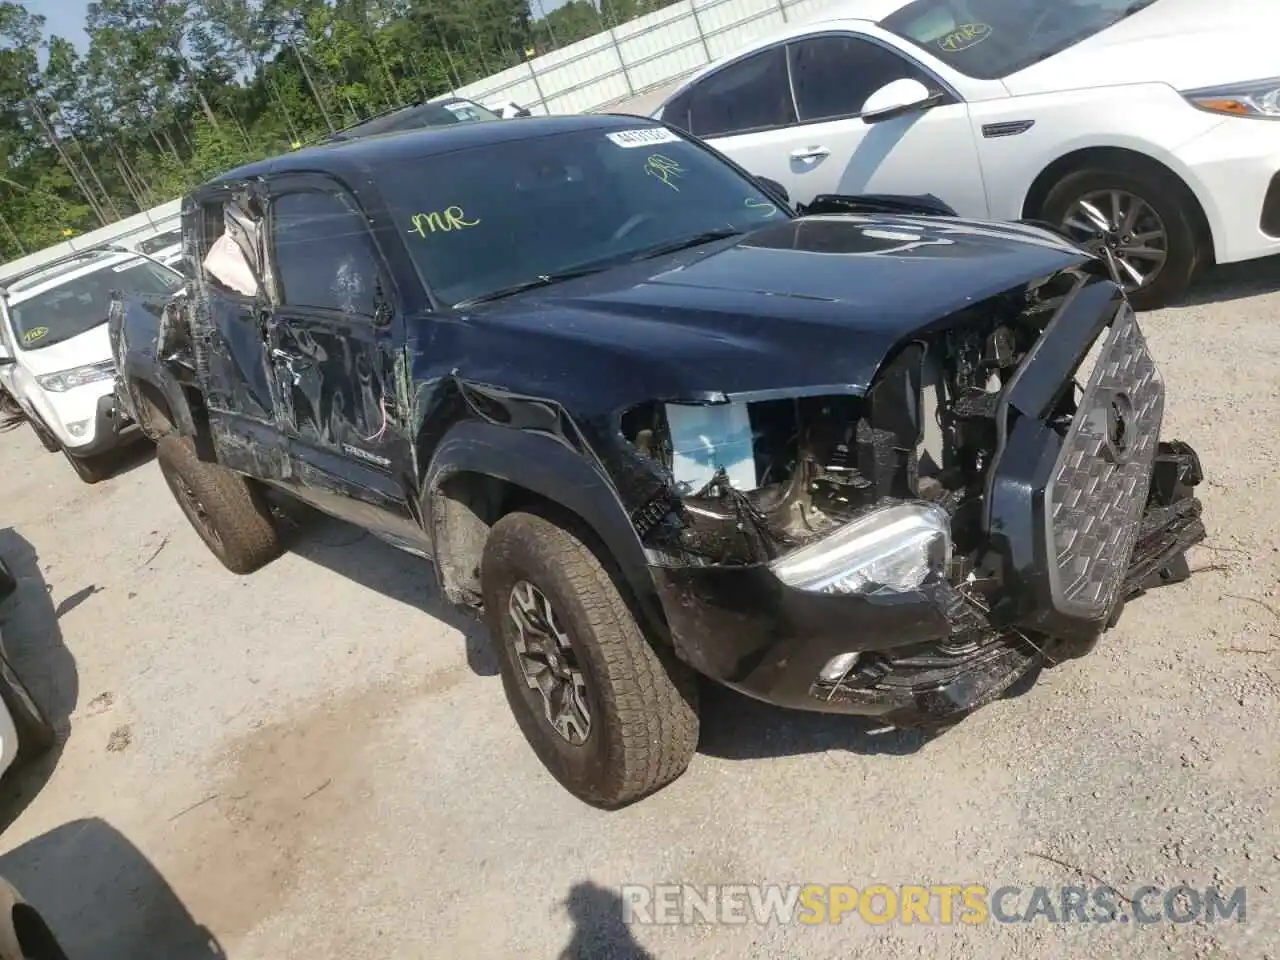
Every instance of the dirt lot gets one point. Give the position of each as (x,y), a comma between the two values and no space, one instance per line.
(317,761)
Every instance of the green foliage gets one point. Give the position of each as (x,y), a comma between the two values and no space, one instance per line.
(173,92)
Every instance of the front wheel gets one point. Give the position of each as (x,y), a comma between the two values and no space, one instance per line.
(1144,218)
(609,715)
(225,509)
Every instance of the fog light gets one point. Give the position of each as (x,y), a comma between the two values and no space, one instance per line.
(78,428)
(838,668)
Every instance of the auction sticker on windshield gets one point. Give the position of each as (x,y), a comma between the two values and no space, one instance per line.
(34,334)
(644,137)
(964,37)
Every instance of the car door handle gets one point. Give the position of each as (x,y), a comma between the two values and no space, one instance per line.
(810,153)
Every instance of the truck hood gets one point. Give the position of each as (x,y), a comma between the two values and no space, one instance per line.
(816,302)
(92,346)
(1173,41)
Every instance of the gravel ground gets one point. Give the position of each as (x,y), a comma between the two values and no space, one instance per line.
(318,761)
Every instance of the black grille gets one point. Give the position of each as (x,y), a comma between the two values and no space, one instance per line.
(1098,488)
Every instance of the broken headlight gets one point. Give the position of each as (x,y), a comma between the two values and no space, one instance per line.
(895,547)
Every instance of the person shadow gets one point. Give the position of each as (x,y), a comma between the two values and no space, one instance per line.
(101,897)
(600,930)
(34,648)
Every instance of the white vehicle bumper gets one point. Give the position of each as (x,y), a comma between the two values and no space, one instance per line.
(1235,171)
(87,420)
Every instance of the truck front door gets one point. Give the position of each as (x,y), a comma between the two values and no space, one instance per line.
(334,339)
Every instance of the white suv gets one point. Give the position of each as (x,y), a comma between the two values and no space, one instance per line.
(55,358)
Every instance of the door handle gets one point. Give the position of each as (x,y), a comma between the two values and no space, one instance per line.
(810,153)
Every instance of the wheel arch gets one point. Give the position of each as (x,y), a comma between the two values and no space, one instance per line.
(482,472)
(166,407)
(1123,159)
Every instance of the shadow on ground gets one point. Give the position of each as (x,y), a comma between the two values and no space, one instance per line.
(1235,281)
(600,930)
(359,556)
(34,647)
(102,898)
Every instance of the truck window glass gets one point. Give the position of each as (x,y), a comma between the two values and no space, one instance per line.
(544,206)
(323,257)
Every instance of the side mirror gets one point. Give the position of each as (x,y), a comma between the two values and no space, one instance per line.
(6,360)
(775,187)
(897,99)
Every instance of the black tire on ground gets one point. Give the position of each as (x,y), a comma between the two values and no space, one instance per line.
(47,439)
(36,735)
(643,702)
(1168,197)
(90,469)
(228,511)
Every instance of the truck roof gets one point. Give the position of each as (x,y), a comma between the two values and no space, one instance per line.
(366,152)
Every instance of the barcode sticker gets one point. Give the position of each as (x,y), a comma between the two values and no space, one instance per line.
(643,137)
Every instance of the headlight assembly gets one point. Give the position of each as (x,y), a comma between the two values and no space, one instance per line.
(1258,98)
(895,547)
(66,380)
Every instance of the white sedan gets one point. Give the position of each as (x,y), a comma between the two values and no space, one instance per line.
(1150,126)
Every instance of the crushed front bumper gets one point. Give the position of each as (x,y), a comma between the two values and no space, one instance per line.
(1071,533)
(928,656)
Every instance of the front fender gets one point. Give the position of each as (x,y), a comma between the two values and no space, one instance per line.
(550,468)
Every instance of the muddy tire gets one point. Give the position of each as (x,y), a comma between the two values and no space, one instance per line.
(638,702)
(1168,208)
(90,469)
(227,510)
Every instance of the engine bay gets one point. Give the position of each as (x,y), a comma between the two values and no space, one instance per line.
(750,480)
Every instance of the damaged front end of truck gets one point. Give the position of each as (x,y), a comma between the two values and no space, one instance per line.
(988,504)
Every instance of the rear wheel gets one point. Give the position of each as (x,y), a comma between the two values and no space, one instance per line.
(612,717)
(1146,220)
(227,510)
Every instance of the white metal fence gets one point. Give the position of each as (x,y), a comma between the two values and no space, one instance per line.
(623,62)
(641,55)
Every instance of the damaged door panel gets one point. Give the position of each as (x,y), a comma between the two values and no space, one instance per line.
(332,336)
(869,459)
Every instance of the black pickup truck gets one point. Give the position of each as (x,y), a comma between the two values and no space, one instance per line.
(654,423)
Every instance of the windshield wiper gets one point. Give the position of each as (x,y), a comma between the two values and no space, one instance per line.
(541,280)
(697,240)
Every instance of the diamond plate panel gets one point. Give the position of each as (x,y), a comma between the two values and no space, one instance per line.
(1095,499)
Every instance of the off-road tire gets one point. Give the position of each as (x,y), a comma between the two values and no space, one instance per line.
(236,525)
(90,469)
(643,702)
(1168,197)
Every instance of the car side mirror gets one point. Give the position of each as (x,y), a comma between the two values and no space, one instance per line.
(897,99)
(775,187)
(5,359)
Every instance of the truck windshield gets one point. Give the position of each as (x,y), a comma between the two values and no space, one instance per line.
(79,305)
(504,215)
(991,39)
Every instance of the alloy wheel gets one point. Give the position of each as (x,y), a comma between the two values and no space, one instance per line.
(1125,224)
(548,662)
